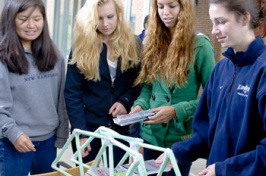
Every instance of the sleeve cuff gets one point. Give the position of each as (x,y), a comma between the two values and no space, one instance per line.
(60,142)
(13,134)
(125,105)
(178,154)
(141,103)
(180,113)
(219,169)
(183,111)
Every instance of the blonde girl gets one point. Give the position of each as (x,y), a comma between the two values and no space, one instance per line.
(103,66)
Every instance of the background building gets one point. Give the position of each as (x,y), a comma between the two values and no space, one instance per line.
(61,17)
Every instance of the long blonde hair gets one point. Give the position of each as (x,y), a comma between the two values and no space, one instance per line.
(169,56)
(87,41)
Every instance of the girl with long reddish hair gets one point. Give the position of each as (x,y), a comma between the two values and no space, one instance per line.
(176,62)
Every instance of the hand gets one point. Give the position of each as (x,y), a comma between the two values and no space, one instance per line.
(160,159)
(117,109)
(86,150)
(191,174)
(23,144)
(137,108)
(164,114)
(209,171)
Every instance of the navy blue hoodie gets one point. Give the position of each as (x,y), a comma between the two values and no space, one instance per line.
(230,121)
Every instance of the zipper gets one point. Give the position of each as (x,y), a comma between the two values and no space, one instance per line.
(112,92)
(231,85)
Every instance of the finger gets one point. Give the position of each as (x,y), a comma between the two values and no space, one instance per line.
(155,109)
(120,109)
(191,174)
(28,147)
(31,148)
(133,110)
(82,141)
(136,109)
(20,149)
(169,164)
(115,112)
(154,117)
(84,153)
(89,148)
(149,122)
(24,148)
(204,172)
(159,159)
(111,109)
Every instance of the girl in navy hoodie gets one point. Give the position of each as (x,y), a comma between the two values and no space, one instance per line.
(230,121)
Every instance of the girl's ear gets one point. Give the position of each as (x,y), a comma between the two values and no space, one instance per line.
(245,19)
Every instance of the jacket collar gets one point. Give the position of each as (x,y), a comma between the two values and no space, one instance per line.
(27,51)
(104,65)
(247,57)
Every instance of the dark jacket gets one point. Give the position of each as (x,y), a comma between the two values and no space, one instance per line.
(230,121)
(142,35)
(90,101)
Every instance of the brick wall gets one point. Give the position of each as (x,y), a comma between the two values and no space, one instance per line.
(137,11)
(204,25)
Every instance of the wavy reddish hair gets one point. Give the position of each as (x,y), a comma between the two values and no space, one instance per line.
(166,55)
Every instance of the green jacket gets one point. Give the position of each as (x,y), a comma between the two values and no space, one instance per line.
(183,99)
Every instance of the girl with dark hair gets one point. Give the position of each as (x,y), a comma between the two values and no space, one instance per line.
(145,26)
(33,117)
(230,121)
(176,63)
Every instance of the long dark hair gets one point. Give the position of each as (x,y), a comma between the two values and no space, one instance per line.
(241,7)
(11,50)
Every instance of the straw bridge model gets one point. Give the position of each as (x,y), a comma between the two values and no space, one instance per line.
(109,139)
